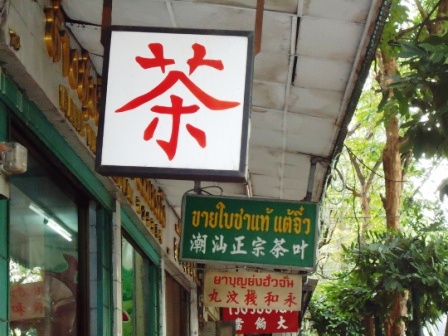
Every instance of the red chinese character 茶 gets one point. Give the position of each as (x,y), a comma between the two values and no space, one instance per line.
(177,109)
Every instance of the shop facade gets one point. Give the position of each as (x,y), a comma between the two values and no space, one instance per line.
(80,253)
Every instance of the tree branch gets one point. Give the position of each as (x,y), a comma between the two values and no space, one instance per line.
(373,172)
(426,23)
(355,164)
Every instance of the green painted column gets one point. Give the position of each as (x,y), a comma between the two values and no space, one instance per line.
(4,253)
(154,298)
(104,264)
(4,269)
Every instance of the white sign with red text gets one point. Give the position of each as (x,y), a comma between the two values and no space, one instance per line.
(262,321)
(253,290)
(27,301)
(176,99)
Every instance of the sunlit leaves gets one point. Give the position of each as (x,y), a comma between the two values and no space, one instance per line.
(415,260)
(423,88)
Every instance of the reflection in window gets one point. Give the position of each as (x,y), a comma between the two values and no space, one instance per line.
(43,262)
(135,289)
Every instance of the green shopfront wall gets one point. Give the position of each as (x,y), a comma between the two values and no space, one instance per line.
(4,257)
(12,100)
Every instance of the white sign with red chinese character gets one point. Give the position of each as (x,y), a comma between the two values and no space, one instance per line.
(262,321)
(253,290)
(27,301)
(176,104)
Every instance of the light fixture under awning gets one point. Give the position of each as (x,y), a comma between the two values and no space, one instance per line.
(51,223)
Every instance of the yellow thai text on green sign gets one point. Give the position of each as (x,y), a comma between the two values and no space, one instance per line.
(248,231)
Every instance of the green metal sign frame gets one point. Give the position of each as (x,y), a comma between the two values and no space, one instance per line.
(249,231)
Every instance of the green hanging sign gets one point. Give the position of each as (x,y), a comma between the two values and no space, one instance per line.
(249,231)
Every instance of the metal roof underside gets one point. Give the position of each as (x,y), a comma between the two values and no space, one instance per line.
(307,78)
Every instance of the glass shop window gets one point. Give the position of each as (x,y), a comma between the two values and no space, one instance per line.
(43,245)
(135,290)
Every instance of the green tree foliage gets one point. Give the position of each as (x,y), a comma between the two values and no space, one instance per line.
(415,264)
(421,48)
(327,315)
(421,90)
(410,264)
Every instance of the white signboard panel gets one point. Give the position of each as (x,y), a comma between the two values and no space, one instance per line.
(176,104)
(253,290)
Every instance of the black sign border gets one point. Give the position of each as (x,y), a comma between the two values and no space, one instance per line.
(239,175)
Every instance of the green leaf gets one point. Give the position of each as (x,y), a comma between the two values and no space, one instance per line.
(410,50)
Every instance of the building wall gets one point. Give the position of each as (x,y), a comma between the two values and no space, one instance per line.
(35,89)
